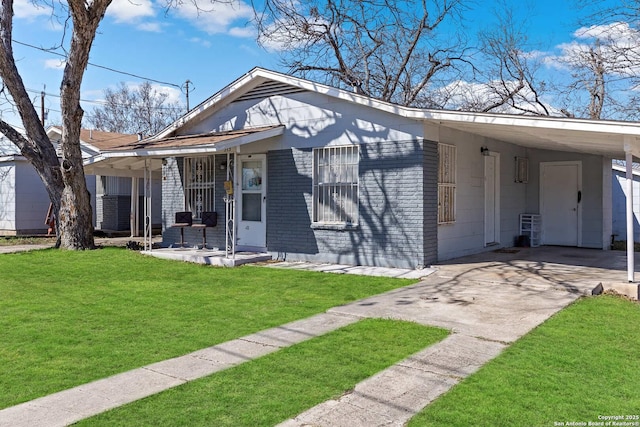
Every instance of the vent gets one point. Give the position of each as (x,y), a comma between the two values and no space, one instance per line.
(268,89)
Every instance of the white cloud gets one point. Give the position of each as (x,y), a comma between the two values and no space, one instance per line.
(55,64)
(26,9)
(128,11)
(173,94)
(215,18)
(469,96)
(244,32)
(618,45)
(152,27)
(619,33)
(201,42)
(94,95)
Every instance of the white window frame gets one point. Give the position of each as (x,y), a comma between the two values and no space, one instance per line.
(447,171)
(338,180)
(199,185)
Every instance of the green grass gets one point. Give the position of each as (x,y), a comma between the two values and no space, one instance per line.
(67,318)
(581,363)
(281,385)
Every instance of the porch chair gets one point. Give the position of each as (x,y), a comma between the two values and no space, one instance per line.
(209,219)
(183,219)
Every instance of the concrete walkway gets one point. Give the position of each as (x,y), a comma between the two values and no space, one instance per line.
(486,301)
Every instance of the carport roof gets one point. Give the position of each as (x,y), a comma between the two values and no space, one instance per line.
(601,137)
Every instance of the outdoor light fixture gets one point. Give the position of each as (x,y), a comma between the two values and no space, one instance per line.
(484,151)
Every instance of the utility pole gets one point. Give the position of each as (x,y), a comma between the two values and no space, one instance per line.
(42,107)
(187,90)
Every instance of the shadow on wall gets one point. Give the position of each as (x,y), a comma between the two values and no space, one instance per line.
(390,195)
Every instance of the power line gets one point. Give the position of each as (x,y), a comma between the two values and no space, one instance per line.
(89,101)
(99,66)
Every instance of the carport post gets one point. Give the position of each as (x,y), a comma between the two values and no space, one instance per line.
(630,242)
(135,211)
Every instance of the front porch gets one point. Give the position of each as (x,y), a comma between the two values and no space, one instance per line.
(214,257)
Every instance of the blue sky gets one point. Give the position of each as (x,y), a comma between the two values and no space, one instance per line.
(210,49)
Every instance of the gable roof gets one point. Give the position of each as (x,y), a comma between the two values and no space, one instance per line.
(604,137)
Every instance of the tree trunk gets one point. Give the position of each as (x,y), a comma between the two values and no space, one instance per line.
(75,218)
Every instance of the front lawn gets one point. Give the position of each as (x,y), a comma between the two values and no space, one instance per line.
(281,385)
(579,367)
(67,318)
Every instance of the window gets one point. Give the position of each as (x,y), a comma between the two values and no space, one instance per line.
(335,185)
(199,185)
(446,184)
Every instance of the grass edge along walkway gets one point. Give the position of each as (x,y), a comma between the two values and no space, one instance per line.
(282,384)
(578,366)
(69,318)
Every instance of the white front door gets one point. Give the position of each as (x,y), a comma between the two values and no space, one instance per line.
(560,197)
(252,202)
(491,199)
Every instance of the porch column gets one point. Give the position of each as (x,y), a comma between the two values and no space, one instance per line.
(148,223)
(135,208)
(630,237)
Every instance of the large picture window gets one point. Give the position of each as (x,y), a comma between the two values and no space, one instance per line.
(199,185)
(335,185)
(446,184)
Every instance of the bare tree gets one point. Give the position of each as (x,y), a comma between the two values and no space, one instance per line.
(509,70)
(141,109)
(64,180)
(389,50)
(605,66)
(589,72)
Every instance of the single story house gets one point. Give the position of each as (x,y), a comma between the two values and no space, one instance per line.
(304,171)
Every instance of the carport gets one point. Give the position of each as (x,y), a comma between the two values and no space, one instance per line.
(611,139)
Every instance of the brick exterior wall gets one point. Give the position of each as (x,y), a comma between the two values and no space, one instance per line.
(397,216)
(115,212)
(173,201)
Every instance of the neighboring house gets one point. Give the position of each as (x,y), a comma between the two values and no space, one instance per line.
(24,202)
(329,175)
(112,194)
(619,195)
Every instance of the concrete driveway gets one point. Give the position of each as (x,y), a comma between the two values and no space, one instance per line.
(487,301)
